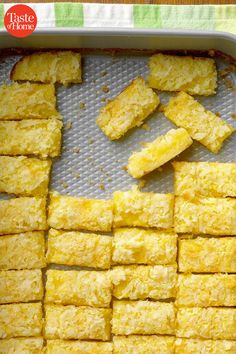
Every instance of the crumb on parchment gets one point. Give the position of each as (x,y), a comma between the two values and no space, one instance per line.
(82,105)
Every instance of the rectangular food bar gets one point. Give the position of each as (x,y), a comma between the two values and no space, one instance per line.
(20,285)
(24,176)
(144,344)
(202,125)
(72,213)
(22,251)
(197,76)
(211,322)
(139,282)
(55,66)
(25,101)
(128,109)
(204,215)
(22,214)
(158,152)
(196,346)
(206,290)
(134,208)
(58,346)
(133,245)
(71,322)
(21,320)
(207,255)
(143,317)
(40,137)
(78,248)
(72,287)
(21,345)
(207,179)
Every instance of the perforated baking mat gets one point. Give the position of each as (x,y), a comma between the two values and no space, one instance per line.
(93,166)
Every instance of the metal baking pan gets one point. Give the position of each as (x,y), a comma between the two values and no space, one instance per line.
(90,164)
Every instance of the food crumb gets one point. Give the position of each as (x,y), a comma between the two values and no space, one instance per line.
(218,114)
(229,84)
(233,115)
(146,127)
(91,141)
(68,125)
(161,108)
(103,99)
(105,89)
(102,187)
(142,183)
(82,105)
(76,150)
(104,73)
(63,184)
(124,168)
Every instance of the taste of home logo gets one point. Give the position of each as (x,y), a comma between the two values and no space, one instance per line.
(20,20)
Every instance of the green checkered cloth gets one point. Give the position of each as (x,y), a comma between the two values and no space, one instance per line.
(196,17)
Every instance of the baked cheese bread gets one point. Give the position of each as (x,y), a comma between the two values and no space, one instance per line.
(211,322)
(207,255)
(201,124)
(128,110)
(144,344)
(158,152)
(20,285)
(197,76)
(207,346)
(58,346)
(72,213)
(25,101)
(21,320)
(204,290)
(24,176)
(205,215)
(22,214)
(22,251)
(140,282)
(143,317)
(207,179)
(134,208)
(71,322)
(72,287)
(31,137)
(133,245)
(54,66)
(80,249)
(21,345)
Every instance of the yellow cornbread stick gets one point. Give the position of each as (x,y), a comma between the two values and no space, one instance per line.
(206,290)
(21,320)
(201,124)
(72,213)
(22,251)
(158,152)
(55,66)
(58,346)
(78,248)
(207,179)
(24,176)
(143,317)
(207,255)
(196,346)
(22,214)
(31,137)
(20,285)
(22,345)
(27,101)
(72,287)
(71,322)
(211,322)
(133,245)
(213,216)
(128,109)
(143,344)
(197,76)
(134,208)
(139,282)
